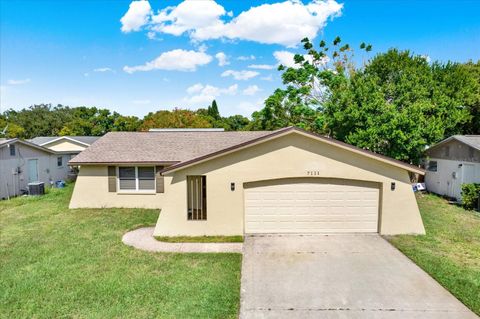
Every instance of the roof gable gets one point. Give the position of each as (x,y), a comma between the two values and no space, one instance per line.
(470,140)
(290,130)
(26,143)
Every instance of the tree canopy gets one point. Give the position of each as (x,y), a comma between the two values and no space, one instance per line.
(396,104)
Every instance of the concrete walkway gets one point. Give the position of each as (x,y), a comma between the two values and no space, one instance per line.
(142,239)
(338,276)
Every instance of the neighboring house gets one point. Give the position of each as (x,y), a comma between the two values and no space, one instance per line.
(22,162)
(66,147)
(451,163)
(236,183)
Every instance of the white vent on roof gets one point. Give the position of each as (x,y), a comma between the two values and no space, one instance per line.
(186,130)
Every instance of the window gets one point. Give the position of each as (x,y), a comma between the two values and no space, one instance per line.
(136,178)
(432,166)
(12,150)
(197,197)
(60,161)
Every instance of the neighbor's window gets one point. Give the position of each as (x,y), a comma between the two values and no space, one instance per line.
(197,197)
(12,150)
(132,178)
(432,166)
(60,161)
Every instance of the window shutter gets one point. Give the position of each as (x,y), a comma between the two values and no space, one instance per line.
(159,180)
(112,179)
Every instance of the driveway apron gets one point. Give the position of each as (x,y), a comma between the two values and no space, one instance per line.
(338,276)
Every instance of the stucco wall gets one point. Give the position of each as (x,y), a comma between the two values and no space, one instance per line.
(91,190)
(11,183)
(290,156)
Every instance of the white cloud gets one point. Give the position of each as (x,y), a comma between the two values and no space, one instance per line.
(103,70)
(251,90)
(261,66)
(188,16)
(246,57)
(284,23)
(18,82)
(199,93)
(179,60)
(222,59)
(195,88)
(240,75)
(141,102)
(286,58)
(137,16)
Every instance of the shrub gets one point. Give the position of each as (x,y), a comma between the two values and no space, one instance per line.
(470,195)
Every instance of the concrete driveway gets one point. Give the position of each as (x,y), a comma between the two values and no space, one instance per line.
(338,276)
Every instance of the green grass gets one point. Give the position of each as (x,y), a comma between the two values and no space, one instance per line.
(201,239)
(450,251)
(60,263)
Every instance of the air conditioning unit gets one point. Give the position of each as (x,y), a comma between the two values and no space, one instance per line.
(37,188)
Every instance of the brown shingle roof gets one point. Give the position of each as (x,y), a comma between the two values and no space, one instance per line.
(159,147)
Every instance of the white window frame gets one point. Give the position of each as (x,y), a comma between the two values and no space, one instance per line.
(136,190)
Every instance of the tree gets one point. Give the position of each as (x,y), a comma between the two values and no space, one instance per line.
(40,120)
(212,111)
(396,104)
(11,130)
(177,118)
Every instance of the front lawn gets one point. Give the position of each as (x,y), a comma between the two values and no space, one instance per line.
(56,262)
(450,252)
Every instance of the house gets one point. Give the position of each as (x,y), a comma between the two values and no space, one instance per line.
(236,183)
(66,147)
(451,163)
(22,162)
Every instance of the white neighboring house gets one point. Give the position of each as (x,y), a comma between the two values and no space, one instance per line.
(451,163)
(22,162)
(42,159)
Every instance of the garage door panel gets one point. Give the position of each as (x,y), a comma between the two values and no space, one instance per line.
(311,207)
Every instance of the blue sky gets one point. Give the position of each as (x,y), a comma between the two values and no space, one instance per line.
(139,57)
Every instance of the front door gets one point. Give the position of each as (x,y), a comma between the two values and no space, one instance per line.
(32,170)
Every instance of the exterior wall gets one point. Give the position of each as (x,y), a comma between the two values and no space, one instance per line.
(458,152)
(290,156)
(450,175)
(65,146)
(91,190)
(11,182)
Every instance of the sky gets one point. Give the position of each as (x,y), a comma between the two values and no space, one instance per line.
(136,57)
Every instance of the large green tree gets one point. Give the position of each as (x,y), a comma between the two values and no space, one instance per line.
(396,104)
(177,118)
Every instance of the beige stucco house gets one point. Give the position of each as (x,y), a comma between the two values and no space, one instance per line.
(236,183)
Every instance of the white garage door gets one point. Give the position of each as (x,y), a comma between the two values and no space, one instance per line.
(311,208)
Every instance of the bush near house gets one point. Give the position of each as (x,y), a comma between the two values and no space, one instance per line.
(470,195)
